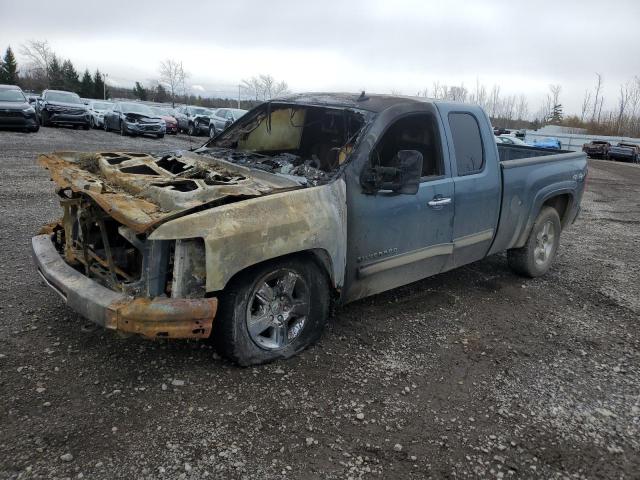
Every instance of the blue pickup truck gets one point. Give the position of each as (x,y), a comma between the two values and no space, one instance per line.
(306,201)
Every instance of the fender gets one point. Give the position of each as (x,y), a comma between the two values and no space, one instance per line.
(560,188)
(243,234)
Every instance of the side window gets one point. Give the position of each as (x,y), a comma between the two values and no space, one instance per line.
(414,132)
(467,143)
(222,113)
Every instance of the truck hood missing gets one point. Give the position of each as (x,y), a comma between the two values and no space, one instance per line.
(142,190)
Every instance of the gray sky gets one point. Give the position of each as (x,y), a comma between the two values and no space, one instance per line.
(399,45)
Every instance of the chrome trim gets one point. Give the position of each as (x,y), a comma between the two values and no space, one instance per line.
(474,238)
(439,202)
(405,259)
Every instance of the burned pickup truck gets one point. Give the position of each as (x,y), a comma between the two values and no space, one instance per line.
(305,201)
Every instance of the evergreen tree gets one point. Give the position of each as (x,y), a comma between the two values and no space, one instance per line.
(556,114)
(56,81)
(99,88)
(70,79)
(9,68)
(161,94)
(86,85)
(139,91)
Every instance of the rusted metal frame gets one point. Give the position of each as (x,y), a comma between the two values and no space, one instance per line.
(155,267)
(67,223)
(107,248)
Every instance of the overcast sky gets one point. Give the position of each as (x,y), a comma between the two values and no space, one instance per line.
(380,46)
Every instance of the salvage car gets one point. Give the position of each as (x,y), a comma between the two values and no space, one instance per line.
(222,118)
(57,107)
(306,201)
(130,118)
(189,114)
(550,143)
(15,109)
(97,109)
(597,149)
(625,152)
(168,115)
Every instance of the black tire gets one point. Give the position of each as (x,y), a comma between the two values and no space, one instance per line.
(34,129)
(160,135)
(212,131)
(86,126)
(92,123)
(104,125)
(123,129)
(44,119)
(231,331)
(191,131)
(534,259)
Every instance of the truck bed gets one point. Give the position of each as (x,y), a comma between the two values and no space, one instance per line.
(530,175)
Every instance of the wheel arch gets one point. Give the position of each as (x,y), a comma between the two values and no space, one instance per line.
(561,199)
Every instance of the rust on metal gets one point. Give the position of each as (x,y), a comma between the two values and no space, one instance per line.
(163,317)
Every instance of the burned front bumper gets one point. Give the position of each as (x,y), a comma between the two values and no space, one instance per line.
(150,317)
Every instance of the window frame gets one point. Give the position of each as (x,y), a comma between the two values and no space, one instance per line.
(453,144)
(433,118)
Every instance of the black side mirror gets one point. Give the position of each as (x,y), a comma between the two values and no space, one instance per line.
(403,178)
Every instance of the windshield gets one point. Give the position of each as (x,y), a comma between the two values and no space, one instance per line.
(64,97)
(307,142)
(237,113)
(100,105)
(12,96)
(137,108)
(201,111)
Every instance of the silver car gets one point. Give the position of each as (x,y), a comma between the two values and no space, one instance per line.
(97,108)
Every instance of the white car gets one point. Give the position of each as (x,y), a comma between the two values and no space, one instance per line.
(97,109)
(510,140)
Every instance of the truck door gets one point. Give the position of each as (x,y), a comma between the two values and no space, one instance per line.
(395,239)
(477,182)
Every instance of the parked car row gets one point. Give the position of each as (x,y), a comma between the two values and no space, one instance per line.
(623,151)
(57,107)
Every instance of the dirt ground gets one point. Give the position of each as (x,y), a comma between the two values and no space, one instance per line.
(472,373)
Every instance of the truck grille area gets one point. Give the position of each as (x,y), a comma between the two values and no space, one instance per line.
(95,244)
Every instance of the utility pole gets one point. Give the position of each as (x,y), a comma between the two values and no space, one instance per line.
(238,96)
(104,87)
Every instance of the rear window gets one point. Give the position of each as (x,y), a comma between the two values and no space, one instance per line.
(467,143)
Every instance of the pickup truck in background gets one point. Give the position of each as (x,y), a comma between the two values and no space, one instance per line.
(305,201)
(626,152)
(597,149)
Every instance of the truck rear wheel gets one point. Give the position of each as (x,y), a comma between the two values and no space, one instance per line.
(537,255)
(272,311)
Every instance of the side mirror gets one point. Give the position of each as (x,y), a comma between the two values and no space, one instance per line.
(403,178)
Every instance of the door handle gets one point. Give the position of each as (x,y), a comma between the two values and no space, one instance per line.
(439,201)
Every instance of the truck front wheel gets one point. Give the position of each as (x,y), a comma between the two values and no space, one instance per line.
(272,311)
(537,255)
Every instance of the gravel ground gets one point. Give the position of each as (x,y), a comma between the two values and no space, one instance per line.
(472,373)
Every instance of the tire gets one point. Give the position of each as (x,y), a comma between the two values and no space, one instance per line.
(34,129)
(44,119)
(191,130)
(86,126)
(212,131)
(123,129)
(296,303)
(538,253)
(104,125)
(92,124)
(160,135)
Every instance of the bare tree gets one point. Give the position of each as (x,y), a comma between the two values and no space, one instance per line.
(173,75)
(494,101)
(263,87)
(585,105)
(555,93)
(623,102)
(522,110)
(597,109)
(39,56)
